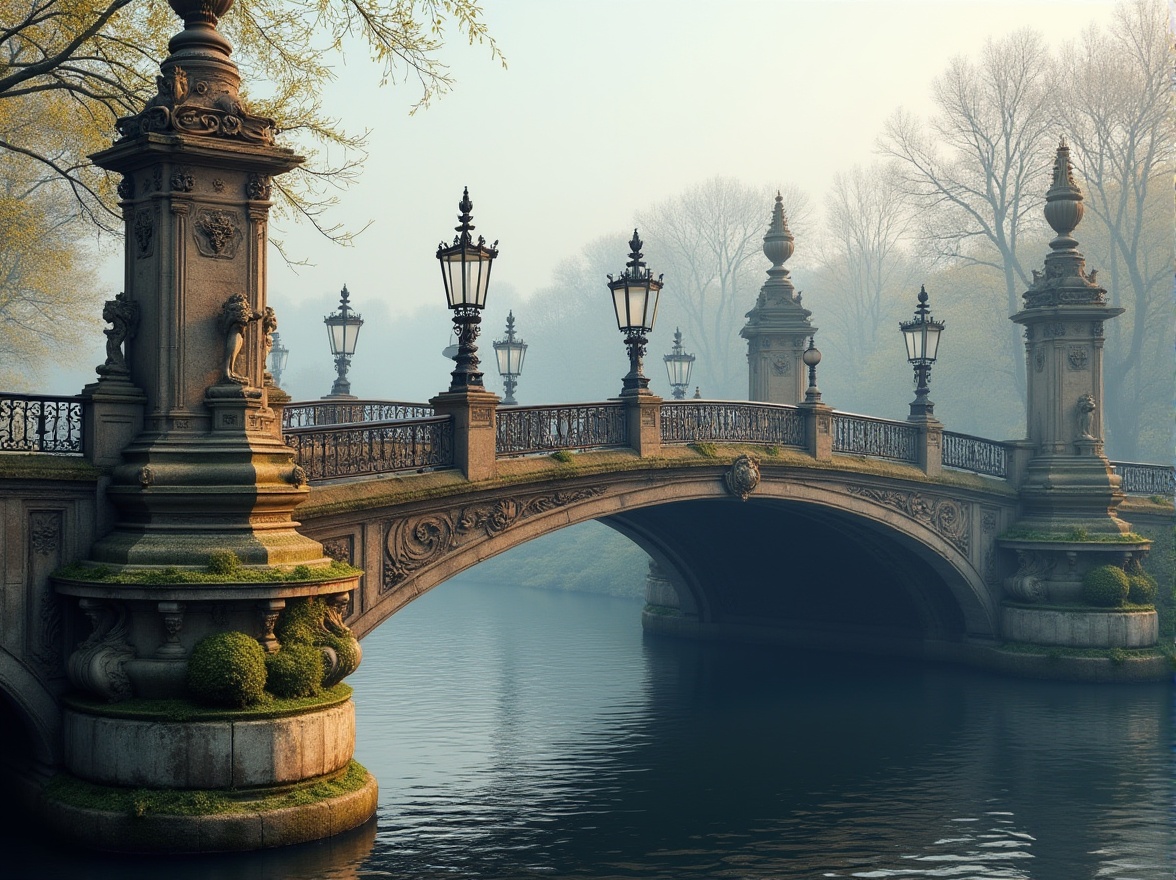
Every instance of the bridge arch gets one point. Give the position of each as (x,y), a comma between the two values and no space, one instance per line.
(29,707)
(924,537)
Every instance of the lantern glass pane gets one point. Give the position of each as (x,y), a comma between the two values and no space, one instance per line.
(638,303)
(652,298)
(913,342)
(503,355)
(518,352)
(620,306)
(931,343)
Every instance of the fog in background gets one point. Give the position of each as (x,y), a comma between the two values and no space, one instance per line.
(608,111)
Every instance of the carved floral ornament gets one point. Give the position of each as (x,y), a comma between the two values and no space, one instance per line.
(950,518)
(209,107)
(416,542)
(743,477)
(217,233)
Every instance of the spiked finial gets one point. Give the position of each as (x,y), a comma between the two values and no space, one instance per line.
(635,265)
(1063,200)
(778,241)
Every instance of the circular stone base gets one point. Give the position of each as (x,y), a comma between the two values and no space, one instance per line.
(1080,629)
(235,832)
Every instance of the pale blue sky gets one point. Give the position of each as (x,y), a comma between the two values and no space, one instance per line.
(610,106)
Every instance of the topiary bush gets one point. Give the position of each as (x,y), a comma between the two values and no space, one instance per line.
(294,671)
(1142,587)
(1106,586)
(312,622)
(227,669)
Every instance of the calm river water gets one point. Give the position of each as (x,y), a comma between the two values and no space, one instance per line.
(523,733)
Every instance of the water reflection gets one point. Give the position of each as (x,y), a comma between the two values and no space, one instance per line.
(522,733)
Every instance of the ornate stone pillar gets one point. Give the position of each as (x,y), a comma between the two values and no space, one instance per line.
(1068,493)
(204,491)
(778,326)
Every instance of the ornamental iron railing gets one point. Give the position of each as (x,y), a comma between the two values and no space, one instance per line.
(527,430)
(1146,479)
(727,422)
(38,423)
(967,453)
(876,438)
(332,452)
(321,413)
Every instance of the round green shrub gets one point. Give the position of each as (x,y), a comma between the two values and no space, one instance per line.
(294,671)
(1142,588)
(227,669)
(1105,586)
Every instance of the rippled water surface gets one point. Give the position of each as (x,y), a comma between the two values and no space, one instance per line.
(523,733)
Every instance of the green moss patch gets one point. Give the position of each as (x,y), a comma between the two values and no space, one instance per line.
(1117,655)
(178,710)
(197,802)
(226,574)
(1073,536)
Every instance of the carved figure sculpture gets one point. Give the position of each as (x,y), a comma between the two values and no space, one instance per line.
(123,316)
(96,666)
(235,316)
(1086,408)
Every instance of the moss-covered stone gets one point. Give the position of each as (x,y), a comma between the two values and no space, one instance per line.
(227,669)
(294,671)
(312,622)
(1106,586)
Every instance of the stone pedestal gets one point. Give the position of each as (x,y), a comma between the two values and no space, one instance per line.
(818,430)
(475,426)
(929,445)
(643,422)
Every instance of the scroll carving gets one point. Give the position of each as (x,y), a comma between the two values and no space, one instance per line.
(417,542)
(1033,570)
(950,518)
(144,231)
(96,666)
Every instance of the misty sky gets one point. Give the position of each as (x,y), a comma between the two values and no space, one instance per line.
(606,108)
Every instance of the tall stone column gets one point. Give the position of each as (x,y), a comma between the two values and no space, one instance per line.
(778,326)
(1068,491)
(203,540)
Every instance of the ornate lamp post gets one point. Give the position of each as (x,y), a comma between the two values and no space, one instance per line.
(279,354)
(343,332)
(465,271)
(922,344)
(510,352)
(811,356)
(635,294)
(678,366)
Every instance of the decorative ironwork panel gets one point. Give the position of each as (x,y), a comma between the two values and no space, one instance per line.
(376,448)
(1146,479)
(967,453)
(877,438)
(767,423)
(529,429)
(35,423)
(333,412)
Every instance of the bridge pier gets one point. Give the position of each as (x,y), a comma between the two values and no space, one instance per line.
(1068,528)
(200,590)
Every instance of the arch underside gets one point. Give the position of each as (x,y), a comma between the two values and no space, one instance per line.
(801,554)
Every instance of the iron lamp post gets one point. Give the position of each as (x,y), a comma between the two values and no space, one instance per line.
(678,366)
(465,272)
(343,332)
(811,356)
(279,354)
(635,293)
(922,343)
(510,352)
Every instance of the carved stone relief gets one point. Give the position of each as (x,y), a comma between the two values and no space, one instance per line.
(743,477)
(96,666)
(144,230)
(122,313)
(950,518)
(340,548)
(45,546)
(781,366)
(1033,570)
(258,187)
(1077,358)
(217,233)
(181,181)
(416,542)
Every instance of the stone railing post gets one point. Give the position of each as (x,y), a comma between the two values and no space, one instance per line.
(818,430)
(643,421)
(111,418)
(929,446)
(1019,453)
(475,427)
